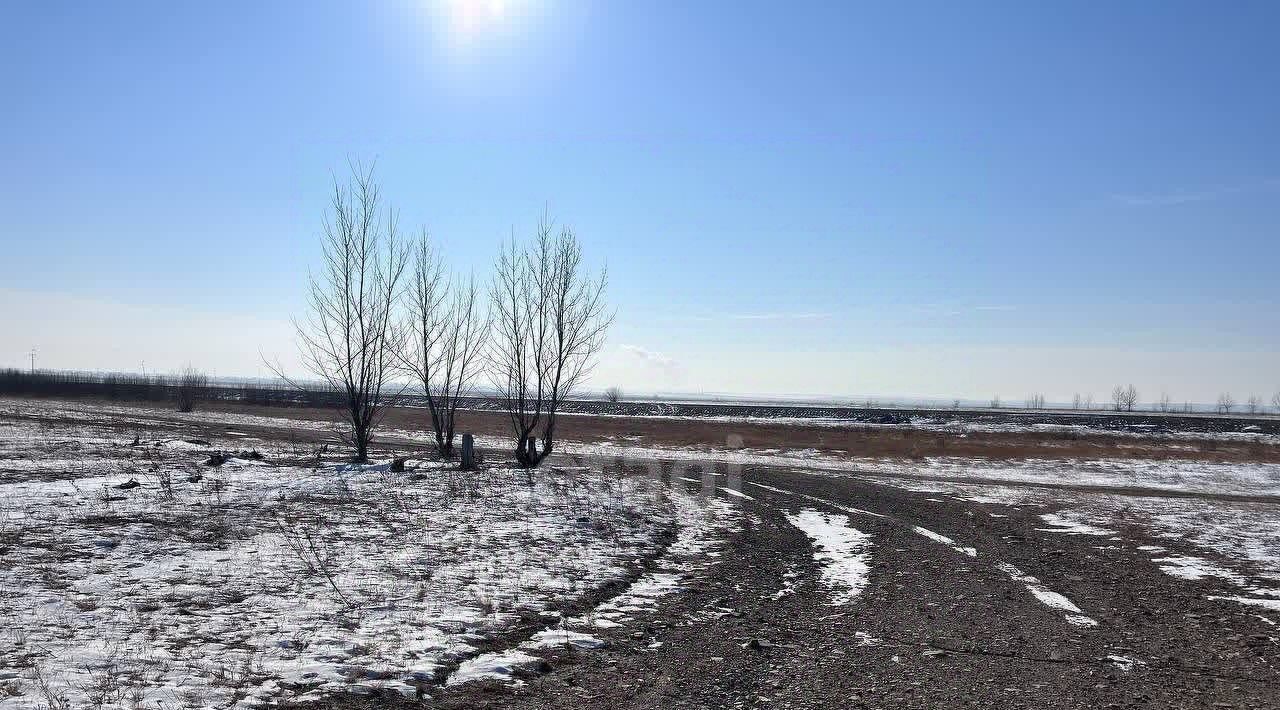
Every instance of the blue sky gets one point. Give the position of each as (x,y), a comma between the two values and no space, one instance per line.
(897,200)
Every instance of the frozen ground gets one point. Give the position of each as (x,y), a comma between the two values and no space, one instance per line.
(292,577)
(251,582)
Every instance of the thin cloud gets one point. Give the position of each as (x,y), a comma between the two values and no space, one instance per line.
(650,357)
(955,310)
(763,317)
(1189,196)
(779,316)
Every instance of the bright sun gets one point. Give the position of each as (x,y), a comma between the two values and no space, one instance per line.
(473,15)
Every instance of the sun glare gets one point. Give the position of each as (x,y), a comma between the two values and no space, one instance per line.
(470,16)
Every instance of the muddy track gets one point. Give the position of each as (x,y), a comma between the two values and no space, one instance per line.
(934,627)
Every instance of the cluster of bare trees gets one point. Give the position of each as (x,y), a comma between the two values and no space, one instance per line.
(384,312)
(1035,401)
(1124,399)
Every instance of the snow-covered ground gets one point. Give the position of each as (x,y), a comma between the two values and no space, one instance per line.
(235,585)
(261,581)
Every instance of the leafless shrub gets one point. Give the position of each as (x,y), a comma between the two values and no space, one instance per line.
(549,322)
(107,686)
(192,386)
(613,394)
(52,699)
(314,552)
(349,339)
(442,339)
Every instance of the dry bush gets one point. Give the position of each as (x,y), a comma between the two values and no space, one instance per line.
(192,386)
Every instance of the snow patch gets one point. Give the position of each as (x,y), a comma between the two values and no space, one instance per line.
(843,551)
(1063,524)
(1046,596)
(936,537)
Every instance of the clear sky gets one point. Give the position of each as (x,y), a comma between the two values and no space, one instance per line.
(897,200)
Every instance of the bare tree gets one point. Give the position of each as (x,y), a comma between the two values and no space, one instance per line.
(1130,397)
(1254,404)
(193,386)
(1226,402)
(613,394)
(1035,401)
(1076,401)
(1088,402)
(442,339)
(1275,401)
(348,339)
(1118,397)
(995,402)
(549,321)
(1163,404)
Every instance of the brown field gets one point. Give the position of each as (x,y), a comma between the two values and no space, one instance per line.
(854,440)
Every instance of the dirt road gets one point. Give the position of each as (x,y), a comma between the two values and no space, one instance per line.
(1025,618)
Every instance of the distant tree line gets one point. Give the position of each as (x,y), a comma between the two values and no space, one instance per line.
(184,390)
